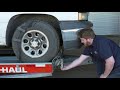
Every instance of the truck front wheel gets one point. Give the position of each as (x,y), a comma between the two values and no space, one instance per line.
(35,41)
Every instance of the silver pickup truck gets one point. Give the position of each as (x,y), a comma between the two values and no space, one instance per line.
(40,36)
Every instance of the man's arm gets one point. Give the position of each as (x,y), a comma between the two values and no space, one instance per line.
(108,67)
(75,63)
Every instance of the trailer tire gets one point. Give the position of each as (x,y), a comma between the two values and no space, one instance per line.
(42,42)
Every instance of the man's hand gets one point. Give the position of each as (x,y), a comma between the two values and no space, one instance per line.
(64,68)
(103,76)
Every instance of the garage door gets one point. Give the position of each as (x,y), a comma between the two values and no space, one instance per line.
(105,23)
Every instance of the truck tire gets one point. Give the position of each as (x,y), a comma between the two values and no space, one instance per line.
(35,41)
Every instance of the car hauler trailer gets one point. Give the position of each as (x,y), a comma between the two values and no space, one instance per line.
(12,68)
(25,70)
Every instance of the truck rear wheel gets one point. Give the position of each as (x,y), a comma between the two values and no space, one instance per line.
(35,41)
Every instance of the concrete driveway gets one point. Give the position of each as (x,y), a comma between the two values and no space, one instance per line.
(83,71)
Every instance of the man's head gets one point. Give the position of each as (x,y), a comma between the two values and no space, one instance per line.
(86,36)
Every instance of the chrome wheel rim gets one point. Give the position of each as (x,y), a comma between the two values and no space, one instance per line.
(34,43)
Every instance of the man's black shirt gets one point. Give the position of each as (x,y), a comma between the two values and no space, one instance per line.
(100,50)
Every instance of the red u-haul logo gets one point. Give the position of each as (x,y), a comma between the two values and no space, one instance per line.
(26,68)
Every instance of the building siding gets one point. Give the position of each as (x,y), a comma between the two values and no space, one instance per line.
(105,23)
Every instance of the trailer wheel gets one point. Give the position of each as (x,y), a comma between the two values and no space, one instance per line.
(35,41)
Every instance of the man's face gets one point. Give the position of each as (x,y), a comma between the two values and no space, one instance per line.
(86,42)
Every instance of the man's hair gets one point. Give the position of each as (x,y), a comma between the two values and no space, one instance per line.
(86,33)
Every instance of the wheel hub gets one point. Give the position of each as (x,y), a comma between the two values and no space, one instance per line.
(35,43)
